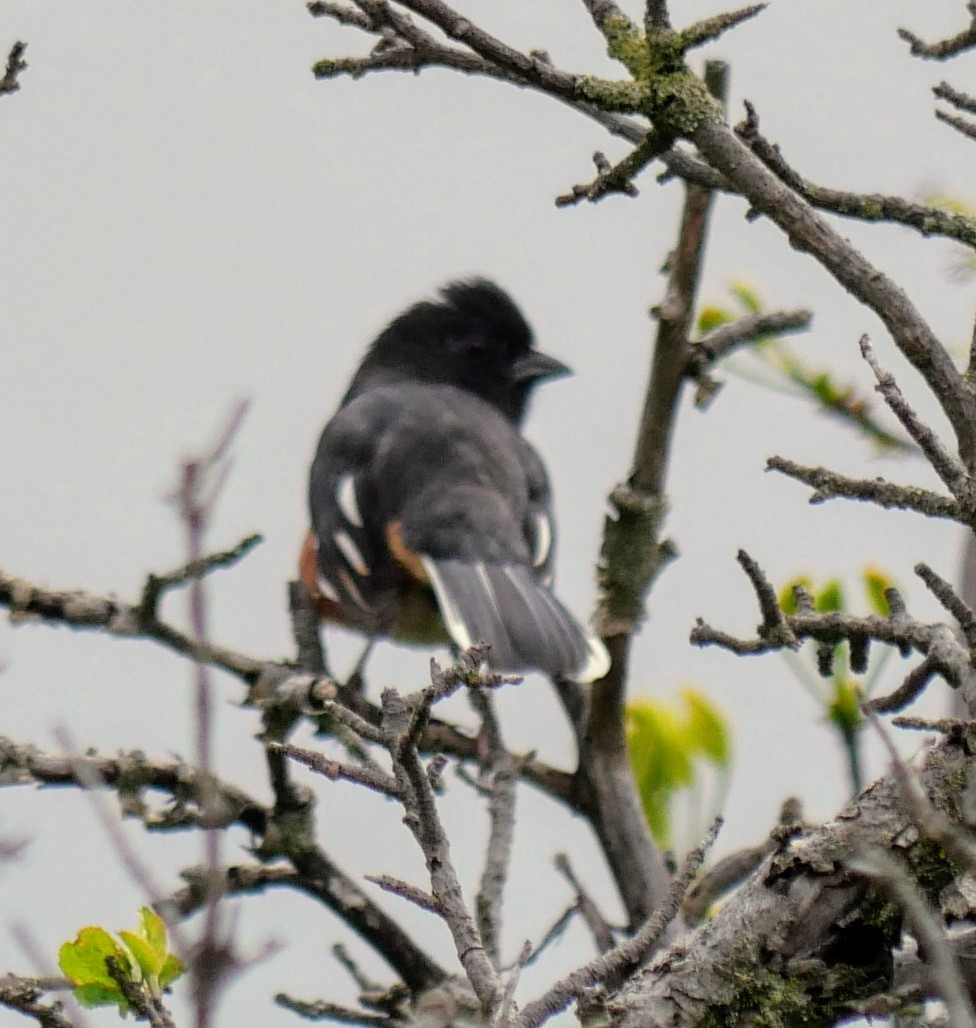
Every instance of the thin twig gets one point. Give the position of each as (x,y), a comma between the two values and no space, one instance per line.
(829,485)
(10,82)
(500,773)
(320,1010)
(627,954)
(942,49)
(398,887)
(952,602)
(949,468)
(598,925)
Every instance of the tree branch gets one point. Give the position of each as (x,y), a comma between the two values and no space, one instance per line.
(829,485)
(10,82)
(943,49)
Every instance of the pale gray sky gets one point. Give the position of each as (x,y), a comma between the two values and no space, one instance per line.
(188,217)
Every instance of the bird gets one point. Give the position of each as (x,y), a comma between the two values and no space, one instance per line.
(431,514)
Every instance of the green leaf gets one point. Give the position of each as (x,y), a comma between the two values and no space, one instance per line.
(83,961)
(830,598)
(707,728)
(145,959)
(100,996)
(154,930)
(144,956)
(150,949)
(664,741)
(172,969)
(876,582)
(747,296)
(711,317)
(844,709)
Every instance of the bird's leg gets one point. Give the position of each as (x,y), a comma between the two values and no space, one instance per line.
(357,681)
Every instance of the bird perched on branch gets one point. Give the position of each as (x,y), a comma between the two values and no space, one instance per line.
(431,514)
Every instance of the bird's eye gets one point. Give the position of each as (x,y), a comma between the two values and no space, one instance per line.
(475,347)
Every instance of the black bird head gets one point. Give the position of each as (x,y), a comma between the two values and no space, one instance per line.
(474,338)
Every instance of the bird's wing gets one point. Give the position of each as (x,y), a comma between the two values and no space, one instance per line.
(350,548)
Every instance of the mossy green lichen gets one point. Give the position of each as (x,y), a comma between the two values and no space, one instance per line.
(680,102)
(627,44)
(766,998)
(622,97)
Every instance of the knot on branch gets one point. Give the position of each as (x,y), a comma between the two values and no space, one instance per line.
(631,558)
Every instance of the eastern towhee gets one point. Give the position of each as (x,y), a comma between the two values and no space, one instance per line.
(431,515)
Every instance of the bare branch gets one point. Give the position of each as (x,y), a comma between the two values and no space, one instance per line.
(627,954)
(949,725)
(335,770)
(320,1010)
(724,339)
(830,485)
(933,823)
(910,689)
(398,887)
(952,471)
(500,774)
(401,723)
(157,585)
(598,925)
(10,82)
(943,652)
(967,128)
(236,880)
(943,48)
(86,610)
(911,333)
(656,15)
(25,995)
(774,625)
(961,101)
(926,219)
(949,599)
(342,14)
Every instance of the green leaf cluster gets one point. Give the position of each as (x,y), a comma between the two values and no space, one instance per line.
(846,688)
(782,368)
(667,744)
(141,958)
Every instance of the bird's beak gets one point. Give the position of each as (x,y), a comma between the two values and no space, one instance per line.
(535,365)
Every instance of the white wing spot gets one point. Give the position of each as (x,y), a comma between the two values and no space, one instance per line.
(543,539)
(346,498)
(453,622)
(350,587)
(598,662)
(326,588)
(350,551)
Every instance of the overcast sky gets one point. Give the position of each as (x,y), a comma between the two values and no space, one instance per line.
(189,218)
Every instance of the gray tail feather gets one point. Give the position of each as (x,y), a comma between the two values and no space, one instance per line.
(525,625)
